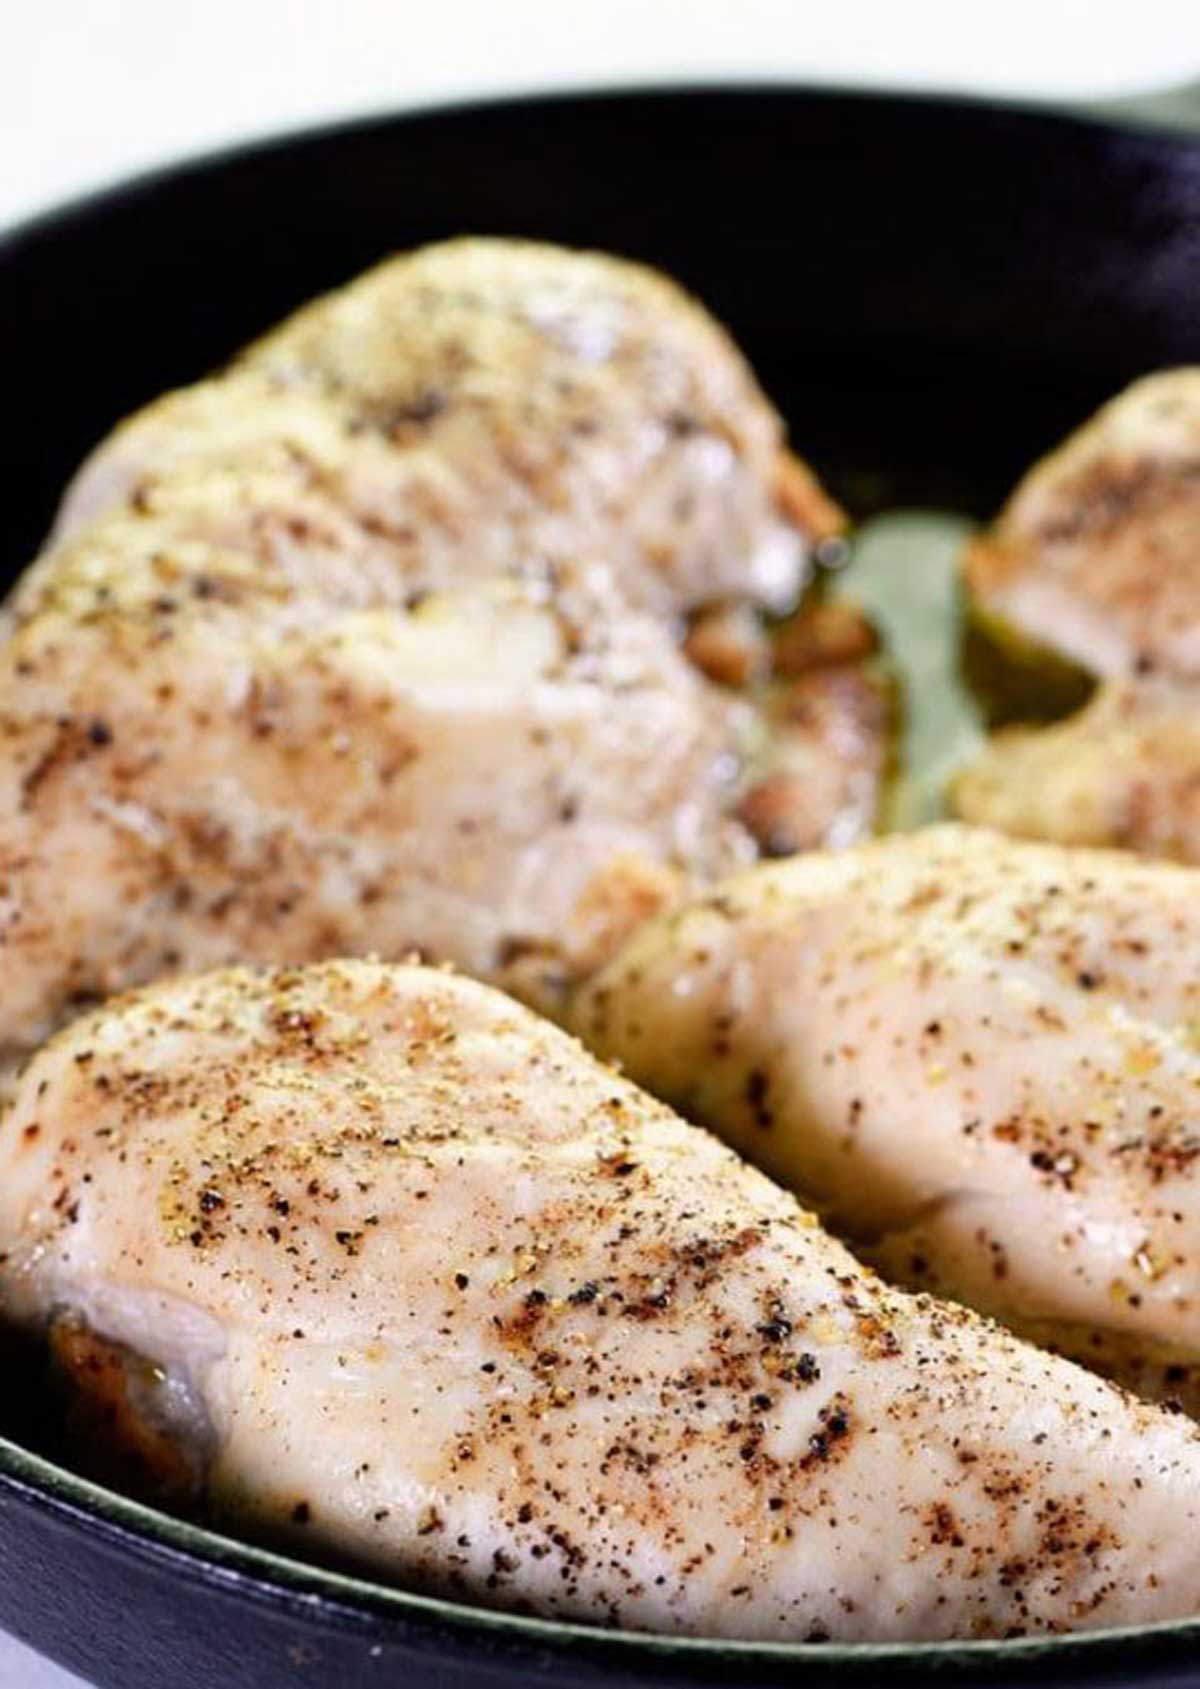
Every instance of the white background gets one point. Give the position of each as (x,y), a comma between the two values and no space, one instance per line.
(91,89)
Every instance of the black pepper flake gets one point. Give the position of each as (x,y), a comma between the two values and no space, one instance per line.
(757,1085)
(422,407)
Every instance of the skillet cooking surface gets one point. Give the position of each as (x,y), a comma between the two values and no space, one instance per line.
(931,290)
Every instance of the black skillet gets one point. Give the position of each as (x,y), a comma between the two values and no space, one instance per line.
(933,290)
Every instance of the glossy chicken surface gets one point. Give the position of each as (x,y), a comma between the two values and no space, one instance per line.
(374,643)
(425,1285)
(480,404)
(978,1058)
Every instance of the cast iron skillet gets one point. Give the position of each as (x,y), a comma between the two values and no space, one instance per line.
(933,290)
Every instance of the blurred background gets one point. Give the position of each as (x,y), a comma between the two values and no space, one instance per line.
(94,88)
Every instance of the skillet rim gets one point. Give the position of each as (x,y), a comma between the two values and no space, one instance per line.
(1160,127)
(261,1575)
(265,1576)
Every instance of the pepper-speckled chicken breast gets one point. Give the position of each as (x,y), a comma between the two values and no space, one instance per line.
(1122,772)
(422,1284)
(206,757)
(979,1058)
(479,403)
(1097,558)
(373,643)
(1097,553)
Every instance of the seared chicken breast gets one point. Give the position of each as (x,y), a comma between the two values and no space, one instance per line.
(1124,772)
(481,403)
(824,724)
(205,759)
(978,1058)
(1097,554)
(1097,558)
(826,739)
(375,642)
(391,1269)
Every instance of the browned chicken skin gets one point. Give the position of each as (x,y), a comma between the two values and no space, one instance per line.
(480,404)
(1097,558)
(977,1056)
(1124,771)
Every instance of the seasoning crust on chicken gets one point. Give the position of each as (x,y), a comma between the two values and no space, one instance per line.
(206,760)
(480,403)
(373,643)
(425,1285)
(1123,772)
(978,1058)
(1097,558)
(1096,555)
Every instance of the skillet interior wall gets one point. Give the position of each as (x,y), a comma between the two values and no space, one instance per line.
(932,292)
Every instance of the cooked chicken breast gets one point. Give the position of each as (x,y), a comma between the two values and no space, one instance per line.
(477,404)
(824,726)
(1097,554)
(826,742)
(206,760)
(1124,771)
(373,642)
(422,1284)
(978,1058)
(1097,557)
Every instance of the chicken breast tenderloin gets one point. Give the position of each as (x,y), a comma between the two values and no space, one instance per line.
(480,403)
(978,1058)
(425,1285)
